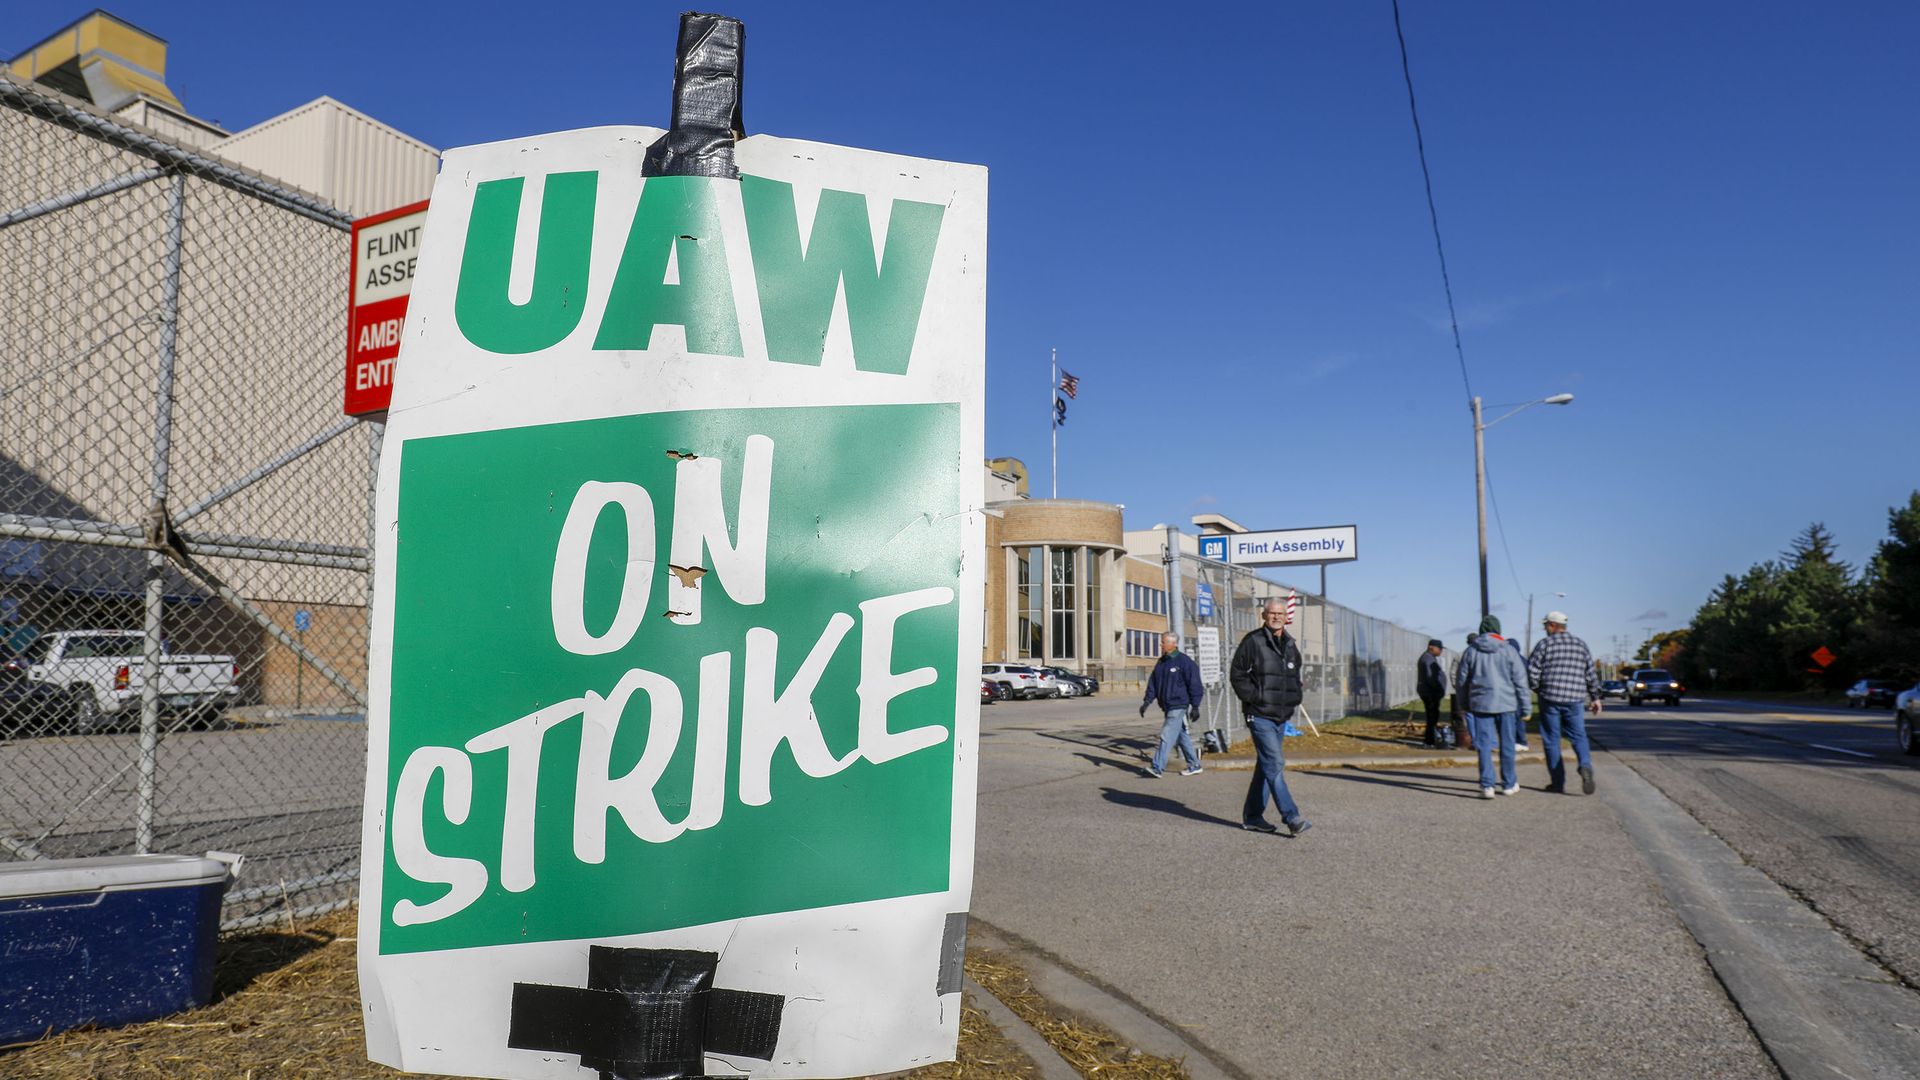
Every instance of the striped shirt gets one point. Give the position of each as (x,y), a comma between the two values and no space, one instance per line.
(1561,670)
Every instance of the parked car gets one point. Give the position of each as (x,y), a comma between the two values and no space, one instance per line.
(1654,683)
(1871,693)
(1906,720)
(988,695)
(29,707)
(1613,688)
(104,672)
(1074,684)
(1022,680)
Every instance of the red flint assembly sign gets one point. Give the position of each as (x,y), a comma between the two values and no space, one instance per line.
(386,248)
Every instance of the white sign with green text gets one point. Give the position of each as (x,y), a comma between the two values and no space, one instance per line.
(671,766)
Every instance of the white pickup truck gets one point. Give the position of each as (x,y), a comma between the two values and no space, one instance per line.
(104,670)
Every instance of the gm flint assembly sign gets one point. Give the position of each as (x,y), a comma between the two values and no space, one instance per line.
(671,763)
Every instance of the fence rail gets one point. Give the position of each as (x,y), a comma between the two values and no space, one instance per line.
(184,513)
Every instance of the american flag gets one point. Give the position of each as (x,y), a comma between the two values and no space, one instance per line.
(1070,384)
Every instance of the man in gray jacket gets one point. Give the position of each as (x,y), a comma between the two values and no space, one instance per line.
(1491,683)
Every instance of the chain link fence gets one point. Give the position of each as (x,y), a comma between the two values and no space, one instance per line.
(1353,663)
(184,567)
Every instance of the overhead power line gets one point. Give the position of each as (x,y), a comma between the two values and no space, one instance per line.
(1446,279)
(1433,214)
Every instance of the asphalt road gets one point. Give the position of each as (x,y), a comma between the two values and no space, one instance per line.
(1820,800)
(1417,930)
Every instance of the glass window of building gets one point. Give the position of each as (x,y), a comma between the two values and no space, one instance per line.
(1032,620)
(1061,603)
(1093,602)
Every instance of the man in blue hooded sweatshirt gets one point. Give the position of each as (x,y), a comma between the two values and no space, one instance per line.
(1491,682)
(1176,684)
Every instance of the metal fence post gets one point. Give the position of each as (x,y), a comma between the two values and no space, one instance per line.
(155,607)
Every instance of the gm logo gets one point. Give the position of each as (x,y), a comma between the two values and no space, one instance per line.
(1213,547)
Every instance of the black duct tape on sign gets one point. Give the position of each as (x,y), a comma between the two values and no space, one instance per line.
(953,954)
(706,101)
(645,1014)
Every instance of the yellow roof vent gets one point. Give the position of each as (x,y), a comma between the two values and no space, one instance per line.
(103,59)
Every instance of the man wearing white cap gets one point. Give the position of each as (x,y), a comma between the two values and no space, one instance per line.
(1560,671)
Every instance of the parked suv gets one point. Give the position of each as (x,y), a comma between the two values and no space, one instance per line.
(1021,680)
(1073,684)
(1654,683)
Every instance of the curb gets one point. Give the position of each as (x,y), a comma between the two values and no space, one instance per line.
(1083,994)
(1021,1034)
(1820,1008)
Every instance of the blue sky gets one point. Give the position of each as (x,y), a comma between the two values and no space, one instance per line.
(1702,219)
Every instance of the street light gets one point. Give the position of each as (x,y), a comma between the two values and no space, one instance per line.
(1480,478)
(1530,621)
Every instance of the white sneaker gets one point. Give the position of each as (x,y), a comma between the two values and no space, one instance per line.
(1196,770)
(1486,793)
(1514,790)
(1519,748)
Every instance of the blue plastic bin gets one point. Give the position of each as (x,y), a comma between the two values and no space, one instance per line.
(105,941)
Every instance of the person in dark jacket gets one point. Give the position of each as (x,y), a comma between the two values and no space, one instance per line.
(1520,724)
(1490,682)
(1175,684)
(1431,685)
(1266,679)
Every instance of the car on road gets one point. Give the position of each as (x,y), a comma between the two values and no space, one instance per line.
(1906,720)
(1873,693)
(1613,688)
(1648,683)
(988,693)
(29,707)
(1072,683)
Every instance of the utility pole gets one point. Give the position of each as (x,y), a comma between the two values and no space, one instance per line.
(1480,496)
(1176,600)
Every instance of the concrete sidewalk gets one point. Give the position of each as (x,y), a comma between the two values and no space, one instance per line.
(1417,930)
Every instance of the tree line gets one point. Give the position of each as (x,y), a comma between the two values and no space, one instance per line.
(1807,619)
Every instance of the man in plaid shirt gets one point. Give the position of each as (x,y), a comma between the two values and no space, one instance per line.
(1560,671)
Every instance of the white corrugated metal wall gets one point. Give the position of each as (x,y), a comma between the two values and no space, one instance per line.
(342,155)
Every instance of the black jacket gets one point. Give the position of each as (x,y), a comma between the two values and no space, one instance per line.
(1433,677)
(1266,674)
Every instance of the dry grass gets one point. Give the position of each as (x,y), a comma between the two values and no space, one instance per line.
(1092,1050)
(287,1007)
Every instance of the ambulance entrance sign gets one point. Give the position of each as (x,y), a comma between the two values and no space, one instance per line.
(386,252)
(678,571)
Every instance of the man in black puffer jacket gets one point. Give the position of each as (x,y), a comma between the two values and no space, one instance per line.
(1266,678)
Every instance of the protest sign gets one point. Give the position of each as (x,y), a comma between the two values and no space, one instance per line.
(679,565)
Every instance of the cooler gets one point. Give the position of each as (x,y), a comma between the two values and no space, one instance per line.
(105,941)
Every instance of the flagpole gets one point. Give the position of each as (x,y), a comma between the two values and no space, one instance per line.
(1053,419)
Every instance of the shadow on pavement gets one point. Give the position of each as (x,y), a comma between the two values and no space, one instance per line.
(1097,760)
(1138,801)
(1449,786)
(1111,743)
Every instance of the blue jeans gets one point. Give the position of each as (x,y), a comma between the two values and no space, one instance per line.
(1491,730)
(1269,775)
(1570,717)
(1174,732)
